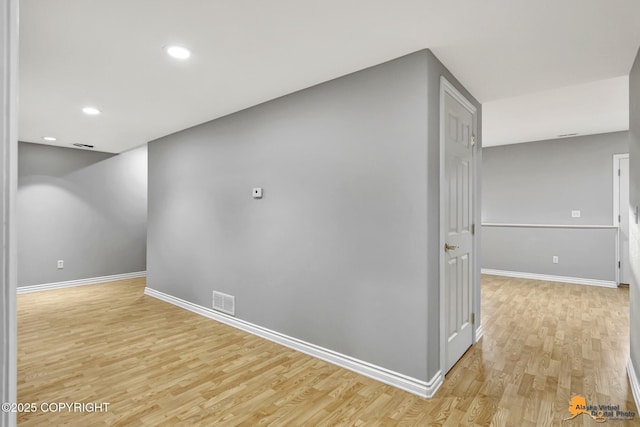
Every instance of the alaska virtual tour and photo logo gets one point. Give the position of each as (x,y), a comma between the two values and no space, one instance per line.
(599,413)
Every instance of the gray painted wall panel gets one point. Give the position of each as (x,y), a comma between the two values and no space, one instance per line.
(530,250)
(86,208)
(335,252)
(339,252)
(541,183)
(634,240)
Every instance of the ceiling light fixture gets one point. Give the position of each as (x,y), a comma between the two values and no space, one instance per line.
(91,111)
(178,52)
(48,138)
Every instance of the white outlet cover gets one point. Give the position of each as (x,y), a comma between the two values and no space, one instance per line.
(575,214)
(257,193)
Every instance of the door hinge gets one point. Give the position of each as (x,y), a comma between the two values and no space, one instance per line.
(619,172)
(473,229)
(473,140)
(473,318)
(619,218)
(619,264)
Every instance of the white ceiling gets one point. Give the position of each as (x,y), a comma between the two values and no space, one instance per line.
(597,107)
(529,62)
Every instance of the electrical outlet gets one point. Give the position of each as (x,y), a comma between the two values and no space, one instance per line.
(60,264)
(555,259)
(575,214)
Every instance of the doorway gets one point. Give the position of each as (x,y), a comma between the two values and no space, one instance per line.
(457,198)
(621,215)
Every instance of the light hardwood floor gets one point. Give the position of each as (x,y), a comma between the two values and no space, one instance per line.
(156,364)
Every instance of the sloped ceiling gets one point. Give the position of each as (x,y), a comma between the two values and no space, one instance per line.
(522,59)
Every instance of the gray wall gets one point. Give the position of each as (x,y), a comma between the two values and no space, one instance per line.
(541,183)
(86,208)
(582,253)
(634,240)
(340,251)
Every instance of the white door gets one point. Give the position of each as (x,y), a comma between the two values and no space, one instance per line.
(625,269)
(457,222)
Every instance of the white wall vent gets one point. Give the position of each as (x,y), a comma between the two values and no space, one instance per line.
(225,303)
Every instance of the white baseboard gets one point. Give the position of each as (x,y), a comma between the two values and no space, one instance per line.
(635,382)
(479,333)
(79,282)
(562,279)
(401,381)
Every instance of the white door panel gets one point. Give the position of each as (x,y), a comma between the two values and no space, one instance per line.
(458,219)
(625,270)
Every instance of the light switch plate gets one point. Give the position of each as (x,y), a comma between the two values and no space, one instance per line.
(257,193)
(575,214)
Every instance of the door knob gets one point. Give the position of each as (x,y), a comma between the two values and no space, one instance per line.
(448,247)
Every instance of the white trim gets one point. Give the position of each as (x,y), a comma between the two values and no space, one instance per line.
(549,278)
(479,333)
(634,380)
(586,226)
(9,174)
(616,208)
(616,265)
(80,282)
(616,186)
(401,381)
(447,88)
(441,241)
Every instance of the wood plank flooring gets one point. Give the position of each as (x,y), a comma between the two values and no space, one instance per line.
(156,364)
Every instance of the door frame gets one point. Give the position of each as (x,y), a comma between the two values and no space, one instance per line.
(616,209)
(447,88)
(8,176)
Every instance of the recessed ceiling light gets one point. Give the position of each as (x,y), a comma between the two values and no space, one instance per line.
(178,52)
(48,138)
(91,111)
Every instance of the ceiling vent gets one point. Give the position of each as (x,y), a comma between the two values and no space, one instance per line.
(82,145)
(225,303)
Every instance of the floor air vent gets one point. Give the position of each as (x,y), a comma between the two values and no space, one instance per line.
(225,303)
